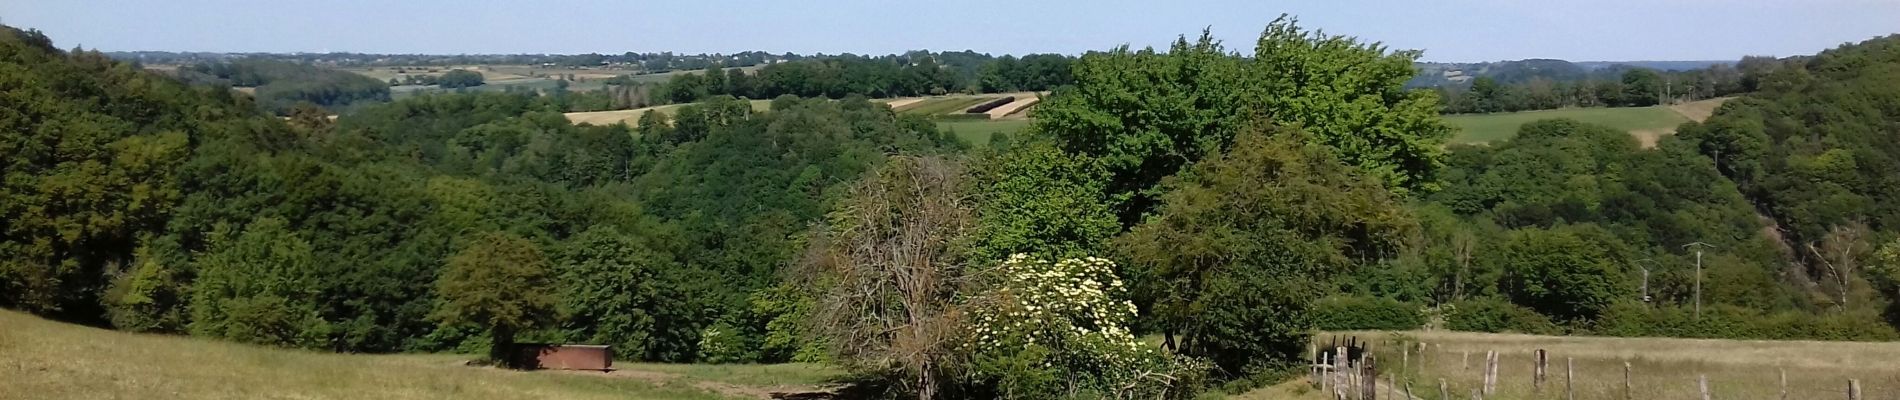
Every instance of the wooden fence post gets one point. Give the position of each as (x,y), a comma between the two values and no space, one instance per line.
(1444,391)
(1626,380)
(1702,383)
(1320,373)
(1570,375)
(1421,356)
(1370,375)
(1784,383)
(1466,364)
(1491,372)
(1537,373)
(1853,389)
(1339,372)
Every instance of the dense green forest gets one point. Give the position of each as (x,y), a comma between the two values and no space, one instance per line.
(1229,203)
(1551,84)
(281,86)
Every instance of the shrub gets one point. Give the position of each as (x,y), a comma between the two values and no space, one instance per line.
(1057,329)
(1355,313)
(1494,315)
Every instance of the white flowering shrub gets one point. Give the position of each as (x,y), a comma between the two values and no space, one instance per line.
(1052,329)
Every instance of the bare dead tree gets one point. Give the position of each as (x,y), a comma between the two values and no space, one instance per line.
(892,266)
(1463,245)
(1840,252)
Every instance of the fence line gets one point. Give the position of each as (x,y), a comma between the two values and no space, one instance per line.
(1350,370)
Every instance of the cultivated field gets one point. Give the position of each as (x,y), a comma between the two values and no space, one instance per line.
(41,359)
(632,117)
(1647,123)
(1660,368)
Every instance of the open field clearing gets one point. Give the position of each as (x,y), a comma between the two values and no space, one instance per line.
(947,105)
(1660,368)
(1482,128)
(45,359)
(1699,110)
(1647,123)
(632,117)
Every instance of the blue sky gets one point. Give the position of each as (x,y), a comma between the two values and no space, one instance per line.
(1448,30)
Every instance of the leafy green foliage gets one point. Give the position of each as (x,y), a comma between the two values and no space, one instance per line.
(498,282)
(1146,115)
(1569,273)
(1242,242)
(459,78)
(1494,315)
(259,286)
(1034,198)
(1047,329)
(281,86)
(1359,313)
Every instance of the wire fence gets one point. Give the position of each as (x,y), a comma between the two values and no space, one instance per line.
(1396,369)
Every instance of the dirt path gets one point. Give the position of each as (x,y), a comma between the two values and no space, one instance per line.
(900,103)
(723,388)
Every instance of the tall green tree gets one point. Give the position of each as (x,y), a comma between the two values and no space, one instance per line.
(1642,87)
(500,283)
(1146,115)
(1246,239)
(259,286)
(1563,272)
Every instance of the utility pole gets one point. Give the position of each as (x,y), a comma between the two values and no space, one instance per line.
(1698,275)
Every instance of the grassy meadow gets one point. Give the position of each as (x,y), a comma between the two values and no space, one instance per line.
(51,360)
(1484,128)
(1660,368)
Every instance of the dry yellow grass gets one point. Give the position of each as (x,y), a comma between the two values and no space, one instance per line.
(900,103)
(1661,368)
(1699,111)
(632,117)
(41,359)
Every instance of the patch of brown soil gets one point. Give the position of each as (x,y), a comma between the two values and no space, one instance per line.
(1701,110)
(728,389)
(1649,137)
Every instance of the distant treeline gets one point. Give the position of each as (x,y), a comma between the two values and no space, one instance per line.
(889,76)
(1547,86)
(1619,86)
(281,86)
(662,61)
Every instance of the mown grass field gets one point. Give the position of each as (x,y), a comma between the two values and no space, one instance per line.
(1660,368)
(946,105)
(632,117)
(1483,128)
(42,359)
